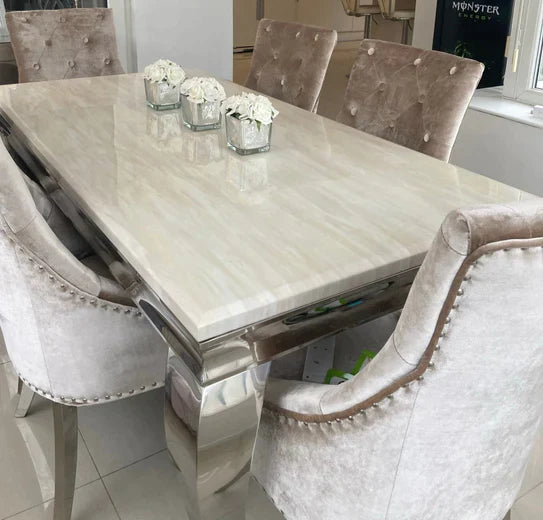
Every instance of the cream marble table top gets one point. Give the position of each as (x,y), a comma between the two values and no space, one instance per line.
(224,240)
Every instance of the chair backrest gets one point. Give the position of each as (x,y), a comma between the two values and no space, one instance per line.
(413,97)
(63,43)
(47,296)
(463,370)
(290,61)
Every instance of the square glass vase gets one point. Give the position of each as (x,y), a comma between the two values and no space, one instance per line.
(201,116)
(247,137)
(161,96)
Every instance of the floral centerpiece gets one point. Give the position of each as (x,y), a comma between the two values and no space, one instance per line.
(162,81)
(201,103)
(249,120)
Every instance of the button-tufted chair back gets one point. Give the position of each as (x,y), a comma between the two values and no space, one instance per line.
(72,334)
(412,97)
(441,423)
(290,61)
(63,44)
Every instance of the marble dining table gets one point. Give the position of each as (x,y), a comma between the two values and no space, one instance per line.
(236,260)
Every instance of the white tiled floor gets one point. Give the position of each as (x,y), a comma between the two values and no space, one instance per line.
(120,473)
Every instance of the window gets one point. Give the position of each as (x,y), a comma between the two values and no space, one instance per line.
(524,74)
(538,79)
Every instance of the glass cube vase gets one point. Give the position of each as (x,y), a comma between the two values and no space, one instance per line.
(161,96)
(201,116)
(247,137)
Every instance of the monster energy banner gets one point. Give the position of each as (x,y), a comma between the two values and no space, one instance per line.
(475,30)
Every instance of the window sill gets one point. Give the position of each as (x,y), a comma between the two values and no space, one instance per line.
(491,101)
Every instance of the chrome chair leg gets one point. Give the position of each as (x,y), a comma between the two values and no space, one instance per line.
(25,400)
(19,386)
(405,31)
(508,516)
(367,26)
(66,436)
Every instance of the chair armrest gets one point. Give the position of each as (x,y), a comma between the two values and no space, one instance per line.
(318,402)
(294,396)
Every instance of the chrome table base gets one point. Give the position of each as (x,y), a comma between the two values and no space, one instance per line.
(211,431)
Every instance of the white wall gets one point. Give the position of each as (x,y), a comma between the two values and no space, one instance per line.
(502,149)
(194,33)
(425,20)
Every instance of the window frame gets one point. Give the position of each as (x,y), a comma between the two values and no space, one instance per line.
(524,52)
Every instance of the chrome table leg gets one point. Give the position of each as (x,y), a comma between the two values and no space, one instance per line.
(66,436)
(25,400)
(211,431)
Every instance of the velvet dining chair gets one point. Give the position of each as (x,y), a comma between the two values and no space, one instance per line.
(71,331)
(441,422)
(290,61)
(410,96)
(63,43)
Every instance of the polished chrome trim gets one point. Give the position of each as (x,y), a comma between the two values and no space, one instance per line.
(236,351)
(211,431)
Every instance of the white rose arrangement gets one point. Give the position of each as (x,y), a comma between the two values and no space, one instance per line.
(200,90)
(250,106)
(165,71)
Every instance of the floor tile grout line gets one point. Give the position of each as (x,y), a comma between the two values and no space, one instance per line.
(46,501)
(100,476)
(110,499)
(520,497)
(133,463)
(51,499)
(89,452)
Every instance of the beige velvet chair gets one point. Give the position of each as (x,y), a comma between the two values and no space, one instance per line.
(440,424)
(72,333)
(290,61)
(413,97)
(63,43)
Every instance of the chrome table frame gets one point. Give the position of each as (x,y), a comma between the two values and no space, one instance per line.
(215,388)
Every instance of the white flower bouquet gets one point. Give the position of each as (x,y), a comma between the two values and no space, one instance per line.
(201,90)
(162,81)
(201,103)
(165,71)
(250,106)
(249,119)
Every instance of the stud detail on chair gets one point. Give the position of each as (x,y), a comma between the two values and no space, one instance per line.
(290,59)
(39,41)
(389,79)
